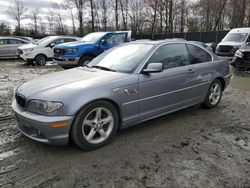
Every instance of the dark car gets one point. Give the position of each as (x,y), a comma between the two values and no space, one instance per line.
(242,57)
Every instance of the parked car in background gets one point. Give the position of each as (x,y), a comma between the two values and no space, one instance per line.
(42,51)
(29,39)
(213,45)
(233,41)
(129,84)
(203,45)
(242,57)
(82,52)
(9,46)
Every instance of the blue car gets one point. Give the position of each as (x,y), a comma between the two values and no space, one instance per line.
(82,52)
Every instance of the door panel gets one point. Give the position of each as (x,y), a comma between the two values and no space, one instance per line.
(171,89)
(3,47)
(113,40)
(166,91)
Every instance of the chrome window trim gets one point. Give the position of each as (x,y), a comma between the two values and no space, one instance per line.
(141,67)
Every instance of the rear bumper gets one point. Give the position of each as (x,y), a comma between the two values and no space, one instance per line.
(38,127)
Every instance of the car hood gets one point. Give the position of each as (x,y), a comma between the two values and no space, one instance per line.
(230,43)
(67,81)
(27,46)
(73,44)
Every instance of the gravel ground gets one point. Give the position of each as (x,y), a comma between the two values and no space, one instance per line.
(190,148)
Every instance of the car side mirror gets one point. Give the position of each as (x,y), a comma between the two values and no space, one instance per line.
(153,68)
(104,42)
(52,45)
(248,44)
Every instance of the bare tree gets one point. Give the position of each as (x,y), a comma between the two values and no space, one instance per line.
(78,4)
(16,11)
(69,6)
(92,6)
(116,15)
(35,15)
(182,15)
(170,16)
(124,11)
(104,10)
(219,16)
(58,18)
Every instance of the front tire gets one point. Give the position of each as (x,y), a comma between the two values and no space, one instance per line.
(95,125)
(41,60)
(214,95)
(84,60)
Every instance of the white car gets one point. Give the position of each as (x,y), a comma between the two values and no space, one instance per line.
(42,51)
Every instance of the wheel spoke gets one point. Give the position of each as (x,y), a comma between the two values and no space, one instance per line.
(88,123)
(216,87)
(106,120)
(98,114)
(91,134)
(102,133)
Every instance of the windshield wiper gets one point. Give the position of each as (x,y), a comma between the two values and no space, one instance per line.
(86,65)
(103,68)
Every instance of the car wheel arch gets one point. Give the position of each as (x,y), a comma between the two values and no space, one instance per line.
(41,54)
(115,104)
(223,82)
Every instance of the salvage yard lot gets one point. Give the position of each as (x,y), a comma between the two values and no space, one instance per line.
(190,148)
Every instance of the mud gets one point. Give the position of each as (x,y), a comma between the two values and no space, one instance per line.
(190,148)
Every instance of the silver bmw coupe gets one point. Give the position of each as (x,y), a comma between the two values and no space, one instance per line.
(124,86)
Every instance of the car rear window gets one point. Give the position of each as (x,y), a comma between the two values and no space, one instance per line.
(198,55)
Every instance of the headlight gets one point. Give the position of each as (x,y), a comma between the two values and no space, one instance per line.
(239,54)
(28,50)
(43,107)
(71,50)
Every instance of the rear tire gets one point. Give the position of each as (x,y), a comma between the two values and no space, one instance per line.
(41,60)
(84,60)
(95,125)
(214,95)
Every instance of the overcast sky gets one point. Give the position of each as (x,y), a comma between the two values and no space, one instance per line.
(42,5)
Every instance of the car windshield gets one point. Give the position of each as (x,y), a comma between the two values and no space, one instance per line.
(123,58)
(43,40)
(236,37)
(92,37)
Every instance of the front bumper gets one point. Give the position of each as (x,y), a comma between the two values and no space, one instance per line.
(38,127)
(241,63)
(26,57)
(66,62)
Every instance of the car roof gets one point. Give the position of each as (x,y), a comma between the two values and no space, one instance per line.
(4,37)
(240,30)
(158,42)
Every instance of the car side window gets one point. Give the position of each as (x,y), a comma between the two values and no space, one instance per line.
(14,41)
(3,42)
(58,41)
(198,55)
(171,56)
(116,39)
(69,40)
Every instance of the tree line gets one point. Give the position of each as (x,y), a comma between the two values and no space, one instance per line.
(78,17)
